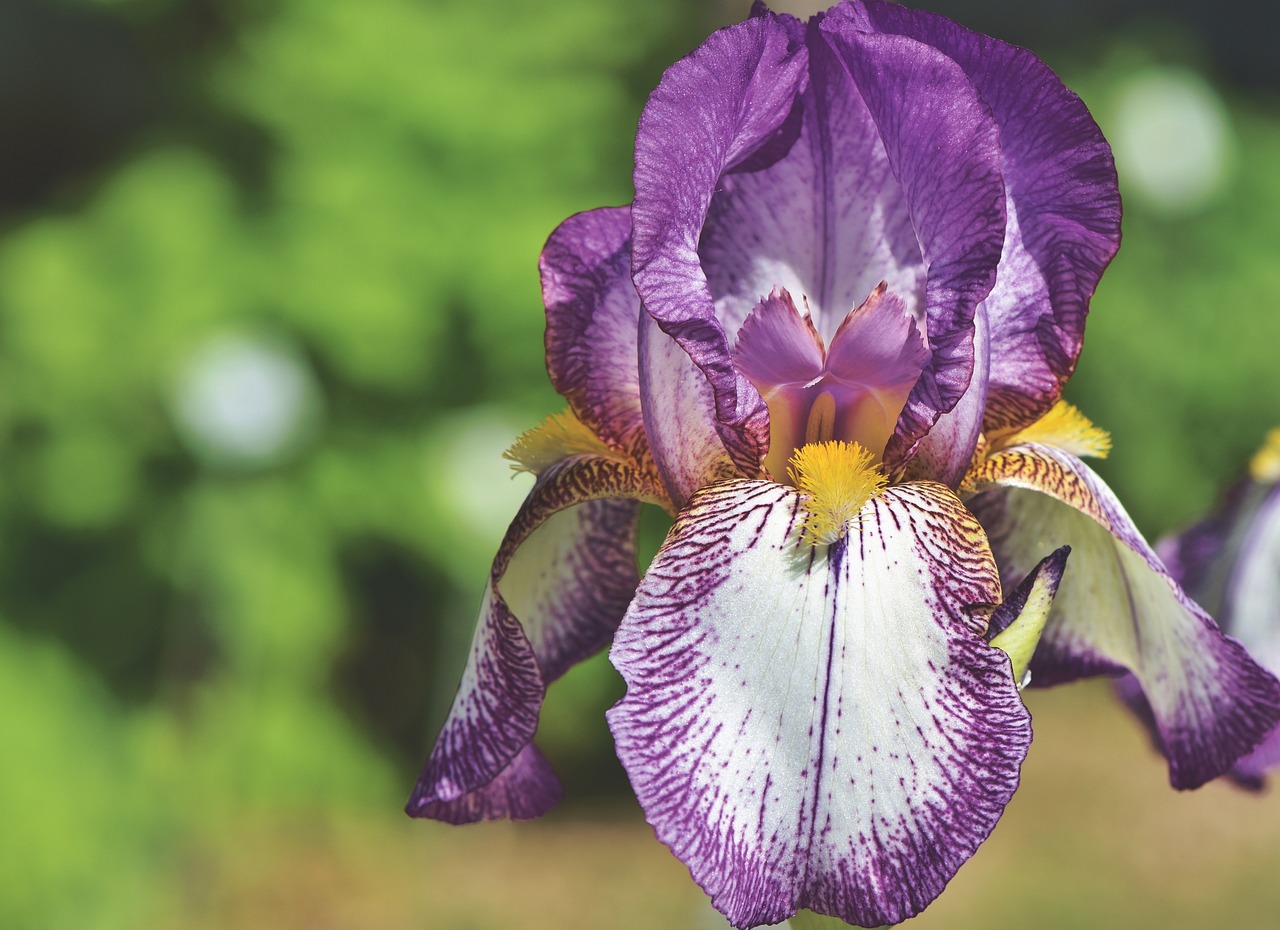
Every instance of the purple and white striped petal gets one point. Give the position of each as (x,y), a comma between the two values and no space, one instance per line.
(820,728)
(1063,209)
(1118,608)
(828,222)
(592,316)
(559,585)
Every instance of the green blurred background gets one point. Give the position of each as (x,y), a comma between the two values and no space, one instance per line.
(269,314)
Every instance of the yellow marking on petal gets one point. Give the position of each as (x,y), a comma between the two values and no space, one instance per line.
(1065,427)
(836,480)
(1265,465)
(558,437)
(821,425)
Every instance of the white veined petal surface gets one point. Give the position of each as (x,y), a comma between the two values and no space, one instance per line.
(819,727)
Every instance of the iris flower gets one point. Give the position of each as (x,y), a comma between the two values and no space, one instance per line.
(1230,562)
(830,337)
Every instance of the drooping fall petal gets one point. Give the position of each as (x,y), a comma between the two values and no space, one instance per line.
(559,585)
(819,727)
(1118,609)
(1230,562)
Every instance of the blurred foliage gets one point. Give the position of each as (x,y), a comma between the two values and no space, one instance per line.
(198,639)
(1179,355)
(191,634)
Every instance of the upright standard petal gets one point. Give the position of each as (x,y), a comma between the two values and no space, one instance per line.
(593,314)
(712,110)
(943,145)
(819,727)
(1118,609)
(1062,201)
(559,585)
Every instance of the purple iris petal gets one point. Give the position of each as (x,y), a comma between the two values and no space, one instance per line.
(818,728)
(1230,562)
(1063,205)
(592,316)
(711,111)
(560,584)
(1119,609)
(851,391)
(943,145)
(679,416)
(778,345)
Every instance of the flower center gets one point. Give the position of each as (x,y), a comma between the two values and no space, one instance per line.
(835,479)
(852,391)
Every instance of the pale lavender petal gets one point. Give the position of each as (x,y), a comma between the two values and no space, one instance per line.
(852,392)
(1118,609)
(878,344)
(711,111)
(818,728)
(946,451)
(875,359)
(559,585)
(1063,206)
(592,315)
(943,145)
(679,416)
(781,354)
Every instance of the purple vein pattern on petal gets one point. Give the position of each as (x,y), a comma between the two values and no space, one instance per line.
(592,316)
(943,145)
(818,728)
(828,222)
(1119,609)
(1063,205)
(711,111)
(560,584)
